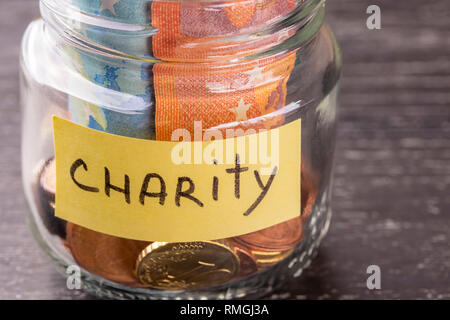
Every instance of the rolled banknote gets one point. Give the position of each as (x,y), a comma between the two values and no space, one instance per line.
(125,85)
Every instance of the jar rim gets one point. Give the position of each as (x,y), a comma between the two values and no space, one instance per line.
(98,31)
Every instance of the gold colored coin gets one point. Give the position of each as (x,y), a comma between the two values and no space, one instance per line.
(186,265)
(265,259)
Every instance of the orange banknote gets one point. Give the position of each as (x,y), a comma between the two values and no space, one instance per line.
(214,90)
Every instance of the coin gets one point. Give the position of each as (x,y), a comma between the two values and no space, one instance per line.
(46,189)
(309,192)
(267,259)
(247,264)
(186,265)
(48,177)
(282,236)
(107,256)
(285,235)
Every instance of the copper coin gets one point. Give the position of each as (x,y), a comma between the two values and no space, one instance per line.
(253,259)
(247,262)
(46,189)
(265,259)
(309,193)
(48,177)
(308,205)
(107,256)
(286,235)
(282,236)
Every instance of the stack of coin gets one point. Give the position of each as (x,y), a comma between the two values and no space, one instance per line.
(273,244)
(46,189)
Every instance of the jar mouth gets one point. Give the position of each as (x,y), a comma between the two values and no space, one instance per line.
(111,29)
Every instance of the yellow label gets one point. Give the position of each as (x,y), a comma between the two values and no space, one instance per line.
(176,191)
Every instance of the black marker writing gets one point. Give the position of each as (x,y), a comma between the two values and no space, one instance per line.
(187,193)
(77,163)
(264,189)
(161,195)
(237,176)
(109,186)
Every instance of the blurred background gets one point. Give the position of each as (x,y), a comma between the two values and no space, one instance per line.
(391,204)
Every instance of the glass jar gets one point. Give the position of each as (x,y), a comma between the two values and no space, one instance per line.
(142,69)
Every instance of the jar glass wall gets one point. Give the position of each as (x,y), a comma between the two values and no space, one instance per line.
(106,68)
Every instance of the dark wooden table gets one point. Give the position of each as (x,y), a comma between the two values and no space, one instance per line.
(391,190)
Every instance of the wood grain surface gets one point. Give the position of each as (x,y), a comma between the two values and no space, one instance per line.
(391,204)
